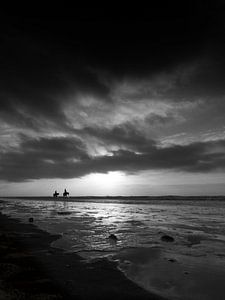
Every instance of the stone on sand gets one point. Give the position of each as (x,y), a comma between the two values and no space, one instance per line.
(167,238)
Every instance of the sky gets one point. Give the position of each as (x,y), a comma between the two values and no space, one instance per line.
(103,104)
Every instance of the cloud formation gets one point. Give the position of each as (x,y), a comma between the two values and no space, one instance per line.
(66,158)
(79,96)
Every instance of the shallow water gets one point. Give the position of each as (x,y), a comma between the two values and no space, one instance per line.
(191,267)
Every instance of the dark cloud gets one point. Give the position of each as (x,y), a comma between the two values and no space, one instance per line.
(55,149)
(40,157)
(36,78)
(194,157)
(47,63)
(43,59)
(67,158)
(124,135)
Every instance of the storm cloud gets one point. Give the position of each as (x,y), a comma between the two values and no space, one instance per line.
(81,95)
(66,158)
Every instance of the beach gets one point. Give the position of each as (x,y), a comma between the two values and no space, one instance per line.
(112,152)
(32,269)
(172,249)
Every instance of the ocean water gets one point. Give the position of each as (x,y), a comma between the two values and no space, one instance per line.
(191,267)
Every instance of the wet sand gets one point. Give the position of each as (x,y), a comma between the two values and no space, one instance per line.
(31,269)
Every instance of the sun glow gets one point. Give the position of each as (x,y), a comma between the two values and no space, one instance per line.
(107,182)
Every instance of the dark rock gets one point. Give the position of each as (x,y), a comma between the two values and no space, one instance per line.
(167,238)
(172,260)
(31,220)
(64,213)
(113,237)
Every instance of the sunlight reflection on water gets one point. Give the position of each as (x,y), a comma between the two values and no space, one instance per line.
(170,269)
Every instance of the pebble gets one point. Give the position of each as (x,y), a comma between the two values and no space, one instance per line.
(113,237)
(167,238)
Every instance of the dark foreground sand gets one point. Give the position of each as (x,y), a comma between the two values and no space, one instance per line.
(31,269)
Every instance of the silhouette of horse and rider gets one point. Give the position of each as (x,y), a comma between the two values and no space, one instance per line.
(65,194)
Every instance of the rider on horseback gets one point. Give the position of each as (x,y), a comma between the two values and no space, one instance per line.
(65,194)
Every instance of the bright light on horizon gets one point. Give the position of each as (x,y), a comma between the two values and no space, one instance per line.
(106,181)
(119,183)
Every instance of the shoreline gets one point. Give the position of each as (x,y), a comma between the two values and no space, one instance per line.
(32,269)
(120,198)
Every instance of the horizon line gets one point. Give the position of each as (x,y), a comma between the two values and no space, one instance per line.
(117,196)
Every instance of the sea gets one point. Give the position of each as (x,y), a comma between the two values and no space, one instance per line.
(189,265)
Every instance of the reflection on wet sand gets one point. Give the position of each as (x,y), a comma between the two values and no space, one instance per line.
(173,275)
(188,265)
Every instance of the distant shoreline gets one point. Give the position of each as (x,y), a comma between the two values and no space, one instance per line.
(120,198)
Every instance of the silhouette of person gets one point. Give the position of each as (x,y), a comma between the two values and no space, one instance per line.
(55,194)
(65,194)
